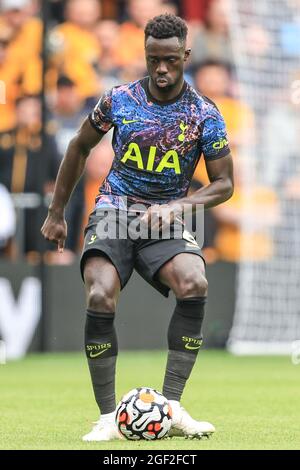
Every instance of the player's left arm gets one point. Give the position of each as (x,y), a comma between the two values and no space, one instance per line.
(219,166)
(220,188)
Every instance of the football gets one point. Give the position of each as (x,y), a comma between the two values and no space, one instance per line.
(144,413)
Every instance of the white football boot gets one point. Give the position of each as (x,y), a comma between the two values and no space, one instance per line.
(104,430)
(183,425)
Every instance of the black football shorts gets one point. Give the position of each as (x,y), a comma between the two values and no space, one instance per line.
(146,256)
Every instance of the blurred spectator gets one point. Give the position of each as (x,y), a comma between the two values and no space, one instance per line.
(57,10)
(281,167)
(97,168)
(7,220)
(222,231)
(170,7)
(213,41)
(214,79)
(136,71)
(110,8)
(131,48)
(75,47)
(194,11)
(20,159)
(20,67)
(210,227)
(257,40)
(112,71)
(282,162)
(27,29)
(107,33)
(10,73)
(68,112)
(245,220)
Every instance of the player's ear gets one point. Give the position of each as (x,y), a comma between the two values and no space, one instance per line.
(187,54)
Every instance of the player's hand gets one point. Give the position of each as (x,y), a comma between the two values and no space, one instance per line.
(55,230)
(159,217)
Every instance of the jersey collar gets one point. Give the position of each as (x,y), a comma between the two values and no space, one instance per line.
(145,85)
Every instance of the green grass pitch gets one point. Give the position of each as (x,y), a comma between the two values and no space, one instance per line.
(46,401)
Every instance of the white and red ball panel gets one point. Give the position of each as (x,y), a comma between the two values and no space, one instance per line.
(144,413)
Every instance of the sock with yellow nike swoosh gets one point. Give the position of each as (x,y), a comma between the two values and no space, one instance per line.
(184,341)
(101,349)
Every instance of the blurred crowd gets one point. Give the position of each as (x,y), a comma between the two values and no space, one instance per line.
(90,46)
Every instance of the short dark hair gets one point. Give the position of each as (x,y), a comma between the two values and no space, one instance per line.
(64,81)
(166,26)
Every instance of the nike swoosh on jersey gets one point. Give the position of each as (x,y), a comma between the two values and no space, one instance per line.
(125,121)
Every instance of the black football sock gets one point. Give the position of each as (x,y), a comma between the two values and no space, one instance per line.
(101,349)
(184,341)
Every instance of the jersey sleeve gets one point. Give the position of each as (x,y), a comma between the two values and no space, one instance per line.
(101,117)
(214,142)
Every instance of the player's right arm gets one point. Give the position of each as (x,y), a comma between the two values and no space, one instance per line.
(71,169)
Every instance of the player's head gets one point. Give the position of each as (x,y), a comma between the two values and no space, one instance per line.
(165,49)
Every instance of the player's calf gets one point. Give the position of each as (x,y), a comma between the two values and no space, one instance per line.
(184,341)
(101,349)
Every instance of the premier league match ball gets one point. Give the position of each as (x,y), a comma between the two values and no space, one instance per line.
(144,413)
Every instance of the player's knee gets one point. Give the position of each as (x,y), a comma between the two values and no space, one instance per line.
(192,286)
(101,299)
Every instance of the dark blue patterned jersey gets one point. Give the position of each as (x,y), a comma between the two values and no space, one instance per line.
(157,145)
